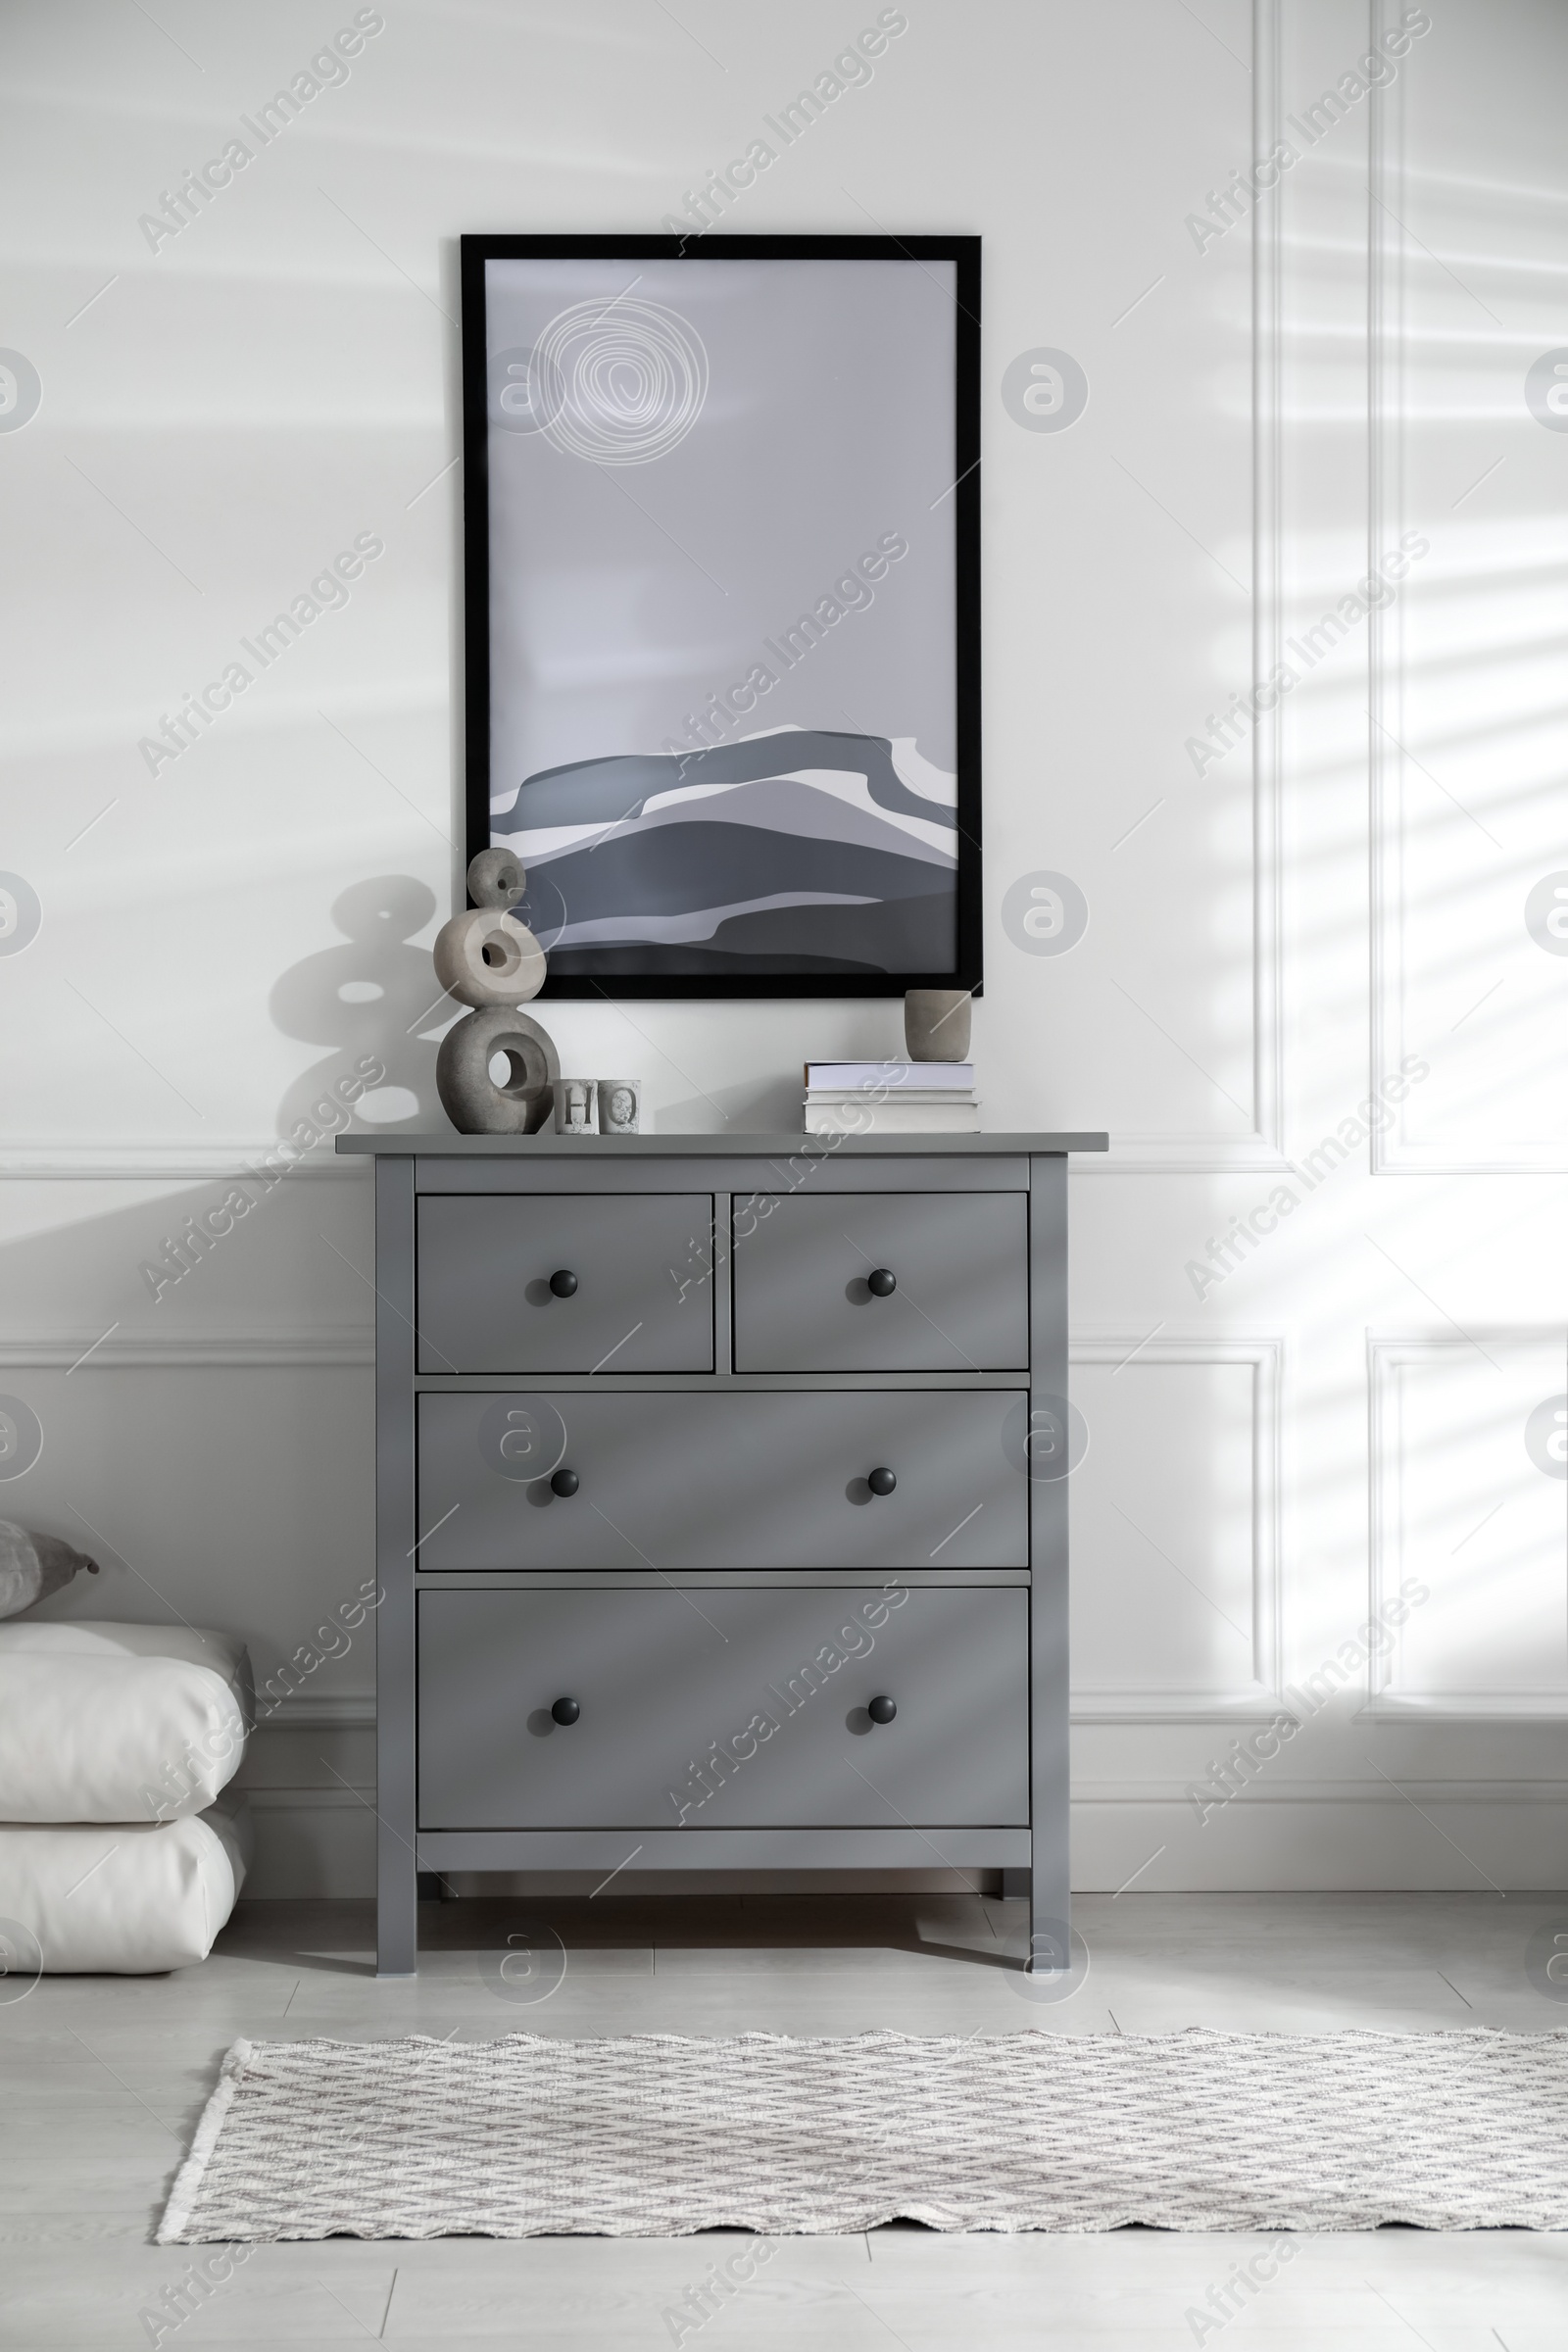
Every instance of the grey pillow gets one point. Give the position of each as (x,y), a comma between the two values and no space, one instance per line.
(31,1566)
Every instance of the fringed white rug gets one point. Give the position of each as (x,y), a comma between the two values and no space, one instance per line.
(656,2136)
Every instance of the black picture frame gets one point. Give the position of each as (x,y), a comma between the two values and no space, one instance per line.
(964,252)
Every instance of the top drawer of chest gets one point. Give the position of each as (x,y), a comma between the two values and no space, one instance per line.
(881,1282)
(563,1282)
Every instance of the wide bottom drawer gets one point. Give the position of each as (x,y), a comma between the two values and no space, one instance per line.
(728,1708)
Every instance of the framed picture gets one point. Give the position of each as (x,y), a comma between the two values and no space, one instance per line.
(722,507)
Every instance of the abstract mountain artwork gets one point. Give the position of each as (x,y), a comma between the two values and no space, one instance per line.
(722,608)
(797,852)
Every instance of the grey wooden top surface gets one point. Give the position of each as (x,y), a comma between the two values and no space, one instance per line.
(707,1147)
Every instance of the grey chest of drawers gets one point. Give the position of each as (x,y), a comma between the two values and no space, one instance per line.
(722,1507)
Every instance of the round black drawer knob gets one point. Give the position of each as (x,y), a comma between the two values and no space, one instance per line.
(881,1482)
(882,1282)
(881,1710)
(563,1282)
(564,1482)
(566,1710)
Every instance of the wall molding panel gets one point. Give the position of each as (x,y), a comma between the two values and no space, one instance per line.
(1262,1152)
(1537,1359)
(81,1352)
(1389,676)
(68,1161)
(1188,1155)
(1268,609)
(1257,1700)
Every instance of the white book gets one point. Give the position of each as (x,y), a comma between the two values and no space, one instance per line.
(919,1075)
(861,1117)
(907,1100)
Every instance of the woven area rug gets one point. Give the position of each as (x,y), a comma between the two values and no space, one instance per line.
(655,2135)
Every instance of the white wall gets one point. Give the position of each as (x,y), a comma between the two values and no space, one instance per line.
(220,416)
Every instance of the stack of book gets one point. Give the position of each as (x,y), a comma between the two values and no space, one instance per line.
(891,1098)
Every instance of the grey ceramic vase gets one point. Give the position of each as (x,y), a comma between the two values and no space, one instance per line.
(936,1024)
(33,1566)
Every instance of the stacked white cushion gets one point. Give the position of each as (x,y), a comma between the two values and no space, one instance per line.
(117,1721)
(125,1898)
(114,1741)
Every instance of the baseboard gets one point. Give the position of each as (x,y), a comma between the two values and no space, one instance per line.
(316,1710)
(312,1843)
(1323,1837)
(1128,1837)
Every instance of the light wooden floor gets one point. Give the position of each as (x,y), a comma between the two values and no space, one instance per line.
(101,2080)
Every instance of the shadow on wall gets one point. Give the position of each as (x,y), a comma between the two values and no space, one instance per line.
(749,1106)
(374,997)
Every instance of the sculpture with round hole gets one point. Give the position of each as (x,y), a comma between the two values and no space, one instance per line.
(487,959)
